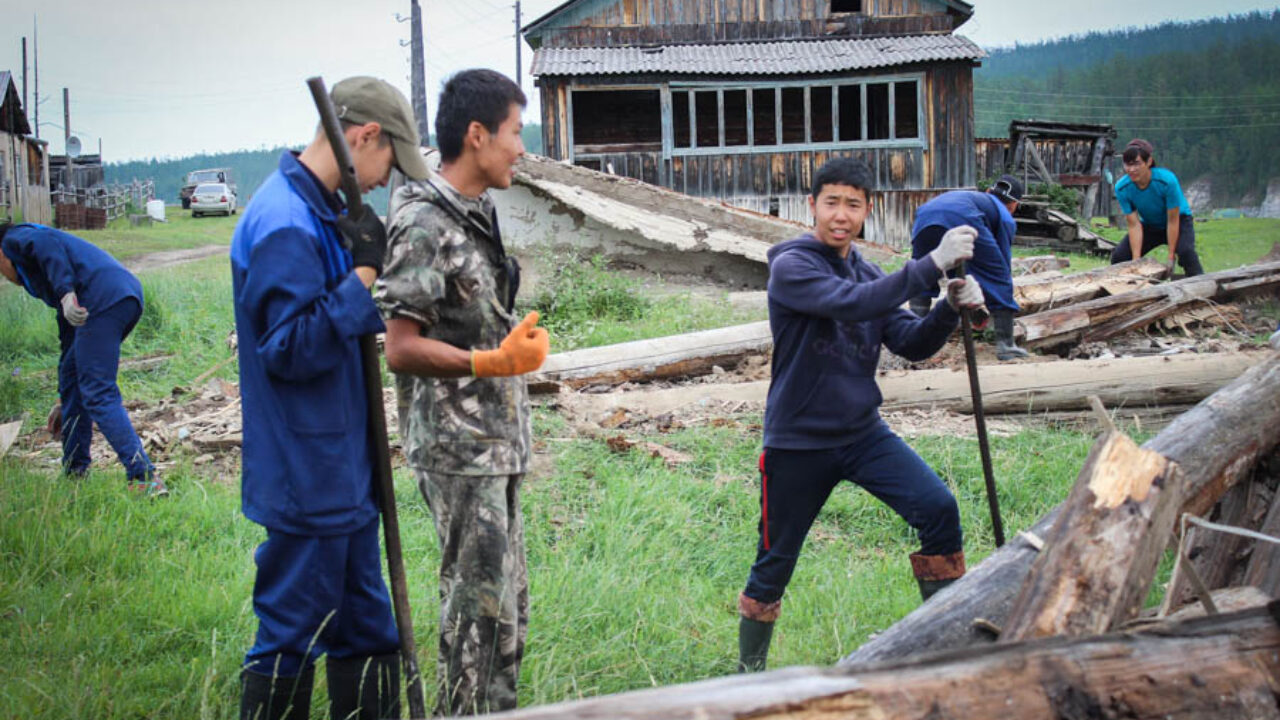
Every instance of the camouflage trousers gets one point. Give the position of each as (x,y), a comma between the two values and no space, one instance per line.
(484,589)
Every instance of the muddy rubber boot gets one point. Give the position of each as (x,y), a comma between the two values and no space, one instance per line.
(928,588)
(1006,349)
(267,697)
(753,644)
(364,688)
(920,305)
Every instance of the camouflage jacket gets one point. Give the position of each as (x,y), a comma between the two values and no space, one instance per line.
(444,271)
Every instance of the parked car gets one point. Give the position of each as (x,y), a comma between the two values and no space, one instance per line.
(211,175)
(212,198)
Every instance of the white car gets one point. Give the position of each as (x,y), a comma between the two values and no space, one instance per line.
(212,198)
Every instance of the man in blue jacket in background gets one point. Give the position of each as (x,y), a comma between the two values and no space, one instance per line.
(98,302)
(829,311)
(302,302)
(991,214)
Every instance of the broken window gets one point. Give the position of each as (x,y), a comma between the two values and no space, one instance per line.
(792,115)
(820,127)
(707,120)
(850,101)
(846,6)
(766,116)
(906,108)
(735,117)
(680,119)
(877,111)
(617,118)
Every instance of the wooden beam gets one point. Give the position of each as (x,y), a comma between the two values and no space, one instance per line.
(1101,557)
(1035,295)
(1215,444)
(1223,667)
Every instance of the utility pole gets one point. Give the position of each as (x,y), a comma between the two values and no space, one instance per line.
(66,137)
(35,51)
(25,106)
(517,43)
(419,73)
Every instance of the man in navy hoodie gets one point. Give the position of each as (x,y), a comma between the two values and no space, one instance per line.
(301,272)
(830,310)
(98,303)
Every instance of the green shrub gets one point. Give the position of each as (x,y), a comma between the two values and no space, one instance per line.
(582,293)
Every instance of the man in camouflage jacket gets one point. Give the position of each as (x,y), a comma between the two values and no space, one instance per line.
(447,295)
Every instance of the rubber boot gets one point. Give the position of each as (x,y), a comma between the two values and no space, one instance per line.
(1006,349)
(920,305)
(364,688)
(934,572)
(753,644)
(267,697)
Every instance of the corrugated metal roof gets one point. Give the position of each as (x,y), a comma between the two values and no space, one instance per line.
(789,57)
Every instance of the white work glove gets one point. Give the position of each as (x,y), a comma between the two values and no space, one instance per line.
(1275,339)
(72,311)
(966,293)
(955,248)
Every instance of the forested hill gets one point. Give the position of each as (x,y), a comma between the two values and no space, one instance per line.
(1207,94)
(251,168)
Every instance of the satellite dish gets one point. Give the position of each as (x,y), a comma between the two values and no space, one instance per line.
(73,146)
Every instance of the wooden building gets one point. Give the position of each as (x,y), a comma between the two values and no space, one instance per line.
(24,162)
(742,100)
(1074,155)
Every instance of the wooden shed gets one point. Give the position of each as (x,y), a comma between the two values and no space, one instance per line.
(24,161)
(742,100)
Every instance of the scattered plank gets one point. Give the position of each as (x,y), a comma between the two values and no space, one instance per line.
(1107,317)
(1102,554)
(1215,444)
(1050,292)
(1038,264)
(8,435)
(1223,667)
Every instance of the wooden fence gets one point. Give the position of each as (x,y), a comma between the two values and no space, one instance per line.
(101,204)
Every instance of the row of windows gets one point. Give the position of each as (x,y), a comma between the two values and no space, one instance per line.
(748,117)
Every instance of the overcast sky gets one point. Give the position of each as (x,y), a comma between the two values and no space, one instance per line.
(158,78)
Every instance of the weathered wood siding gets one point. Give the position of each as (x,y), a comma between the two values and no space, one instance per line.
(949,119)
(626,22)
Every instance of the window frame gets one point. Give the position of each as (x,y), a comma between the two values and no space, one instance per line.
(921,139)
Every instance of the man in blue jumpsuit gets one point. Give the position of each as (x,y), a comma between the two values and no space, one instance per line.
(301,303)
(991,213)
(830,311)
(98,304)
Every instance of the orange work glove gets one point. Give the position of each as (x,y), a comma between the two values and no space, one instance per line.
(521,352)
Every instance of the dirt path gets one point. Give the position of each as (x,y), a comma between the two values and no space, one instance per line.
(169,258)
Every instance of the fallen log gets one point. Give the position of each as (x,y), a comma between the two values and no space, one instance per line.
(1223,667)
(1121,383)
(1101,557)
(1065,290)
(1107,317)
(1215,444)
(655,359)
(1213,554)
(1264,564)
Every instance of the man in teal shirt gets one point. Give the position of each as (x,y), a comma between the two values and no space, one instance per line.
(1156,210)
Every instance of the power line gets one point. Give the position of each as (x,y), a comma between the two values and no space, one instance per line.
(1130,96)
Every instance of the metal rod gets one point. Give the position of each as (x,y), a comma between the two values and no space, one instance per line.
(383,486)
(980,421)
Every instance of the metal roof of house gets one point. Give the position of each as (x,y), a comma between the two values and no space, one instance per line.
(787,57)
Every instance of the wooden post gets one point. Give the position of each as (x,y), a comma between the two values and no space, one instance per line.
(1102,555)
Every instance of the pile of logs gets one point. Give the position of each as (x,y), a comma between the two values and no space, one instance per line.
(1041,226)
(1042,628)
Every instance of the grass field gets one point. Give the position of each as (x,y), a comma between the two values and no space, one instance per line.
(116,607)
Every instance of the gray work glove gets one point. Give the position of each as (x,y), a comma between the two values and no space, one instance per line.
(366,238)
(964,294)
(72,311)
(955,248)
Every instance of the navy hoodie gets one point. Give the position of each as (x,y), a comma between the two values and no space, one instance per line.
(829,316)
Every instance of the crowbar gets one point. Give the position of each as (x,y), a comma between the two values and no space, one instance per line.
(980,418)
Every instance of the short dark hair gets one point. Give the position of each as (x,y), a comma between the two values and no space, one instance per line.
(4,227)
(844,171)
(1138,148)
(479,95)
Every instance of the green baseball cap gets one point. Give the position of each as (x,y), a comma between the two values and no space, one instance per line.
(364,99)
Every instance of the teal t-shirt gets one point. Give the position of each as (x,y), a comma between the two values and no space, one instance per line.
(1161,195)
